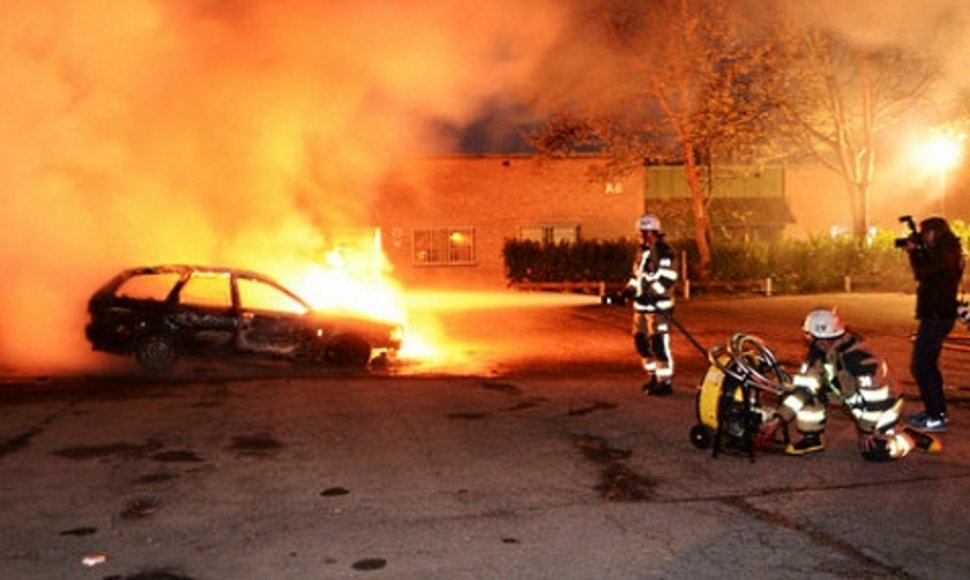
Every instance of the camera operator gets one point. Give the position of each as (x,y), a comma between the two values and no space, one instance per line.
(936,258)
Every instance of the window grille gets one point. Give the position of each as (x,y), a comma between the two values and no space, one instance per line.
(550,233)
(444,246)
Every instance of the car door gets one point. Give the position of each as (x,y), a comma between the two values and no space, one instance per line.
(204,313)
(272,321)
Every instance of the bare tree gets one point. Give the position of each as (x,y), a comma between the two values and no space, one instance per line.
(835,98)
(685,88)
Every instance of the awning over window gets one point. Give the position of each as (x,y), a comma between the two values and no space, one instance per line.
(764,217)
(750,211)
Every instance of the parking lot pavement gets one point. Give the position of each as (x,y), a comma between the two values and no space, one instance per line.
(546,462)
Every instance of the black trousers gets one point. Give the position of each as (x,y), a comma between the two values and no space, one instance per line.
(925,363)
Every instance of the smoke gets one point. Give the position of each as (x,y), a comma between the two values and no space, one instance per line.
(937,31)
(217,131)
(252,132)
(935,28)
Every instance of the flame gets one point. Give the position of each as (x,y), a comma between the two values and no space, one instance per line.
(216,125)
(355,277)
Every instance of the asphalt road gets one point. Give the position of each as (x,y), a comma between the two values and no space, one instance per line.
(532,455)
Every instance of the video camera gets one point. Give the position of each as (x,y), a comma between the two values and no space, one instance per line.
(914,235)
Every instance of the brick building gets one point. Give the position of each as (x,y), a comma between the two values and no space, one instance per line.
(444,219)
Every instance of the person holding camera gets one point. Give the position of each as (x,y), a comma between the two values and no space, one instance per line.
(936,257)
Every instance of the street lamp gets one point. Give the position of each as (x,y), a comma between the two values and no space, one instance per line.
(940,154)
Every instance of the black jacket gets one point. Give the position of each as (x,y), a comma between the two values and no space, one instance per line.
(938,270)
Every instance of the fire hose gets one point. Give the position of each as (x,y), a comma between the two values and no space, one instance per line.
(731,402)
(742,350)
(690,338)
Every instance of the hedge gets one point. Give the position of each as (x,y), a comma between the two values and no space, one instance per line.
(795,266)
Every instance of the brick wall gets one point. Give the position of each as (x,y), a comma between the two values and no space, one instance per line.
(496,196)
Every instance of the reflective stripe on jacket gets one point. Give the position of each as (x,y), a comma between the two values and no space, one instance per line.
(654,275)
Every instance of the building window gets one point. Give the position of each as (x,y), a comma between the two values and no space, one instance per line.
(550,233)
(444,246)
(721,181)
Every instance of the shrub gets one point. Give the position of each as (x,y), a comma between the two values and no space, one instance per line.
(795,266)
(586,260)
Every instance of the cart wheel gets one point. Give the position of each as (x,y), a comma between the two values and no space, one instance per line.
(701,436)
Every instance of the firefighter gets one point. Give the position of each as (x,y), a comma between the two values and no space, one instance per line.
(651,288)
(839,362)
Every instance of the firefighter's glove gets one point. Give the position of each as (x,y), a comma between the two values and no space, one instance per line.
(874,447)
(649,287)
(869,442)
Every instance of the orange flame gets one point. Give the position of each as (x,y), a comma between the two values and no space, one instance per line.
(355,277)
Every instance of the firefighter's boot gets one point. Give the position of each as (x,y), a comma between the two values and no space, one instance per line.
(810,443)
(928,442)
(650,385)
(657,388)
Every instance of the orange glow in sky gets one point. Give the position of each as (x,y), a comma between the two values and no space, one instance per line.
(942,151)
(245,134)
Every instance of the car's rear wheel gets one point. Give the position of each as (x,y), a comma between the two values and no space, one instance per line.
(348,352)
(157,351)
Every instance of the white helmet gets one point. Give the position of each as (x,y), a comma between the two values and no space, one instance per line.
(824,323)
(649,222)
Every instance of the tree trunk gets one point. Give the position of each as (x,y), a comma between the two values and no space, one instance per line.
(699,210)
(859,204)
(866,157)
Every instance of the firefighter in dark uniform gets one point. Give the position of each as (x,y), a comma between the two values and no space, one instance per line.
(652,288)
(839,362)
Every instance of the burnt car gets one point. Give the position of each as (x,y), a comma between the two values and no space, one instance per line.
(159,314)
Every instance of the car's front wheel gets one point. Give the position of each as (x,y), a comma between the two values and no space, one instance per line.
(348,352)
(157,351)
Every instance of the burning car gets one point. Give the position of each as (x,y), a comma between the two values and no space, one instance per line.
(161,313)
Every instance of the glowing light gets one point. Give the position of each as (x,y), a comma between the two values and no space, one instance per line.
(938,155)
(942,152)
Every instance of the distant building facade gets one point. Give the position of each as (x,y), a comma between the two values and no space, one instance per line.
(445,219)
(747,203)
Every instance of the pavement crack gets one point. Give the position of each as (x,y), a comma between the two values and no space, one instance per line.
(742,502)
(812,488)
(594,406)
(501,387)
(22,440)
(817,536)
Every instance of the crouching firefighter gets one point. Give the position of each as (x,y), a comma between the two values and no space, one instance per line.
(651,288)
(839,362)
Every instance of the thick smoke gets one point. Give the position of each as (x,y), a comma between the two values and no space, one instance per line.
(934,28)
(251,132)
(216,131)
